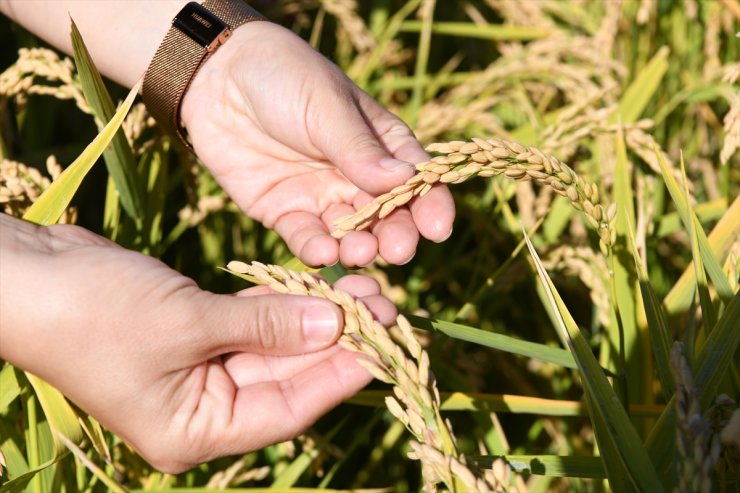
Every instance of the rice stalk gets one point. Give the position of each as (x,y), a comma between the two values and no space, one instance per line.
(351,23)
(523,13)
(731,122)
(459,161)
(606,35)
(137,123)
(416,401)
(699,436)
(35,71)
(21,186)
(646,11)
(571,65)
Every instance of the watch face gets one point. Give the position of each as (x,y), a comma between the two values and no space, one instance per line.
(199,24)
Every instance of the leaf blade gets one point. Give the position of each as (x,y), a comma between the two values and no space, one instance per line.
(493,340)
(52,203)
(119,158)
(621,434)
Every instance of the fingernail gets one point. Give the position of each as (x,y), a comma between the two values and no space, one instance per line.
(449,233)
(390,163)
(320,324)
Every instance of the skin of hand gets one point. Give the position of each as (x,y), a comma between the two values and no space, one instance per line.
(297,145)
(181,374)
(293,141)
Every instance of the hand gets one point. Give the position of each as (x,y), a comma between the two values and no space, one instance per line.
(181,374)
(297,145)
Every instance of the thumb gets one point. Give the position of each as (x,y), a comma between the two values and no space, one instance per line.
(269,324)
(354,136)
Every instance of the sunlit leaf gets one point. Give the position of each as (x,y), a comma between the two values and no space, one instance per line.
(619,431)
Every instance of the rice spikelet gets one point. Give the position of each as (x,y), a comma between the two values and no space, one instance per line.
(458,161)
(416,399)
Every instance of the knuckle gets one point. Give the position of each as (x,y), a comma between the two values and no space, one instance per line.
(363,142)
(269,324)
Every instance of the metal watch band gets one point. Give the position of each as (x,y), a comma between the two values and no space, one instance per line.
(196,32)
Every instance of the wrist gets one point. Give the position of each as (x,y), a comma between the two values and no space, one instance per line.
(197,32)
(215,80)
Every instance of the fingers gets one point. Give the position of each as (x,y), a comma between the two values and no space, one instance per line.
(343,130)
(269,324)
(434,213)
(275,325)
(357,249)
(270,412)
(397,237)
(368,291)
(248,368)
(364,288)
(308,238)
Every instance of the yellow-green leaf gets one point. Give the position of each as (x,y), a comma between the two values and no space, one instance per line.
(637,96)
(719,242)
(52,203)
(711,264)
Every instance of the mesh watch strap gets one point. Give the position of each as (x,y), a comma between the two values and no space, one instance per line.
(195,33)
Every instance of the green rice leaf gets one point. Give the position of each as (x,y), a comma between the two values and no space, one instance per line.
(422,60)
(333,273)
(362,68)
(702,286)
(59,413)
(94,432)
(15,462)
(548,465)
(47,210)
(156,161)
(620,433)
(503,403)
(619,477)
(624,333)
(10,389)
(21,482)
(52,203)
(718,353)
(660,334)
(112,224)
(706,211)
(493,340)
(711,264)
(291,474)
(119,158)
(496,32)
(637,96)
(719,242)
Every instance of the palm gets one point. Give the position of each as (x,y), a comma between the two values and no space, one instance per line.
(297,145)
(182,374)
(267,398)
